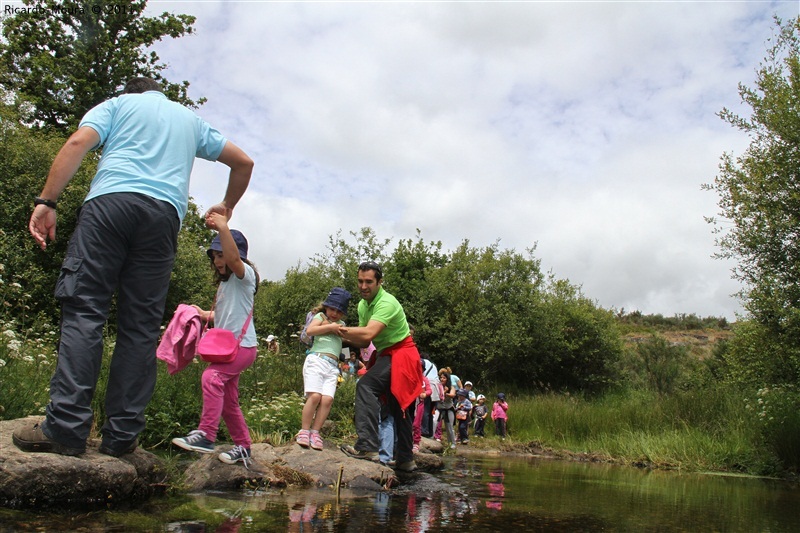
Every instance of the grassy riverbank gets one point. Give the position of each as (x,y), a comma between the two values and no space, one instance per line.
(700,425)
(709,431)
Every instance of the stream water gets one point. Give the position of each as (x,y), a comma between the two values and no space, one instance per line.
(474,493)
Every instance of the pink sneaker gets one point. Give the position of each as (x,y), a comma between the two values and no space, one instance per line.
(415,448)
(302,438)
(315,440)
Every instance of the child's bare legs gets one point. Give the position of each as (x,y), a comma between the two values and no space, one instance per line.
(316,410)
(323,411)
(310,408)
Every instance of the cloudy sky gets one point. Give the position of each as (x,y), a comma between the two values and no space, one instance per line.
(584,128)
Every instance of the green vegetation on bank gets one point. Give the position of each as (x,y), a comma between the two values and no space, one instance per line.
(697,425)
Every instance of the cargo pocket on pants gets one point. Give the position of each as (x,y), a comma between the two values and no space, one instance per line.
(67,283)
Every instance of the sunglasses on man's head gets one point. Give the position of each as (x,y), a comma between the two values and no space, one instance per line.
(371,265)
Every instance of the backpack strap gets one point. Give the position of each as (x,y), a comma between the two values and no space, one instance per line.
(246,322)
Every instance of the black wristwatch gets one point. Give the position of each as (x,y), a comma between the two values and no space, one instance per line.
(43,201)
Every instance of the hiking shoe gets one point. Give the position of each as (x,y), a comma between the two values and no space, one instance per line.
(195,441)
(391,463)
(33,439)
(120,449)
(359,454)
(315,440)
(302,438)
(236,454)
(415,448)
(407,466)
(453,446)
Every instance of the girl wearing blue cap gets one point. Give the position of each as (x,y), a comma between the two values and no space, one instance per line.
(237,282)
(321,368)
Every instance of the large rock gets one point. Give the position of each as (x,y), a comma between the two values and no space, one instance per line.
(291,464)
(52,480)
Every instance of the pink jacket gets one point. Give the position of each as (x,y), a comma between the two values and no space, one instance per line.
(179,342)
(499,410)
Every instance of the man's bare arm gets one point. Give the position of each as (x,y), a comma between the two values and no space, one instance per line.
(241,169)
(42,224)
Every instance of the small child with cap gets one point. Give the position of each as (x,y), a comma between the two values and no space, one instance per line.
(321,367)
(480,412)
(463,410)
(500,415)
(470,392)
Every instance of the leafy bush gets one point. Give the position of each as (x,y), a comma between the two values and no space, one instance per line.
(777,412)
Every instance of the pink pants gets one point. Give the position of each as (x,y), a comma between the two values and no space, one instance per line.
(220,383)
(416,432)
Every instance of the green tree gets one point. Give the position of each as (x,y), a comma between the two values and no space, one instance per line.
(577,342)
(27,155)
(478,305)
(661,365)
(407,270)
(192,281)
(490,314)
(759,217)
(64,57)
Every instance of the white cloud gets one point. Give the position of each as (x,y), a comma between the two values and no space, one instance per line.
(587,128)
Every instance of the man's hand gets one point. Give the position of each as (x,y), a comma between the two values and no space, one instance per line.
(220,209)
(216,221)
(43,225)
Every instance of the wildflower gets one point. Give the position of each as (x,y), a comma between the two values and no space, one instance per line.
(28,359)
(14,345)
(16,285)
(2,363)
(10,334)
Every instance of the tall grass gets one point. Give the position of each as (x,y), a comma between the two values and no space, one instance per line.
(700,430)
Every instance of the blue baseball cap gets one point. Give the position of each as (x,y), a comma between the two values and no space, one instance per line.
(238,238)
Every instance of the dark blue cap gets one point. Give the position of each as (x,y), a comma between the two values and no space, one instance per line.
(338,299)
(238,238)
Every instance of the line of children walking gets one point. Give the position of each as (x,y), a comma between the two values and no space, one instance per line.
(456,408)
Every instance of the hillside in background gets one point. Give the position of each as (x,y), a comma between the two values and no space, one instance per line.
(699,335)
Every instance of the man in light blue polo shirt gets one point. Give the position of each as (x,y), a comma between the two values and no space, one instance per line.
(124,241)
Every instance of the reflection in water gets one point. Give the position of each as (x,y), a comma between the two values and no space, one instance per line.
(380,508)
(497,490)
(473,494)
(302,512)
(231,525)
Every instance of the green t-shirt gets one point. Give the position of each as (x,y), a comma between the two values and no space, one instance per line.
(329,343)
(387,310)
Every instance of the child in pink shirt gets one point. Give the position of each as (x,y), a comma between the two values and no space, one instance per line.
(500,415)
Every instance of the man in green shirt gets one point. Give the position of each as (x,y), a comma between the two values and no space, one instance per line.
(395,370)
